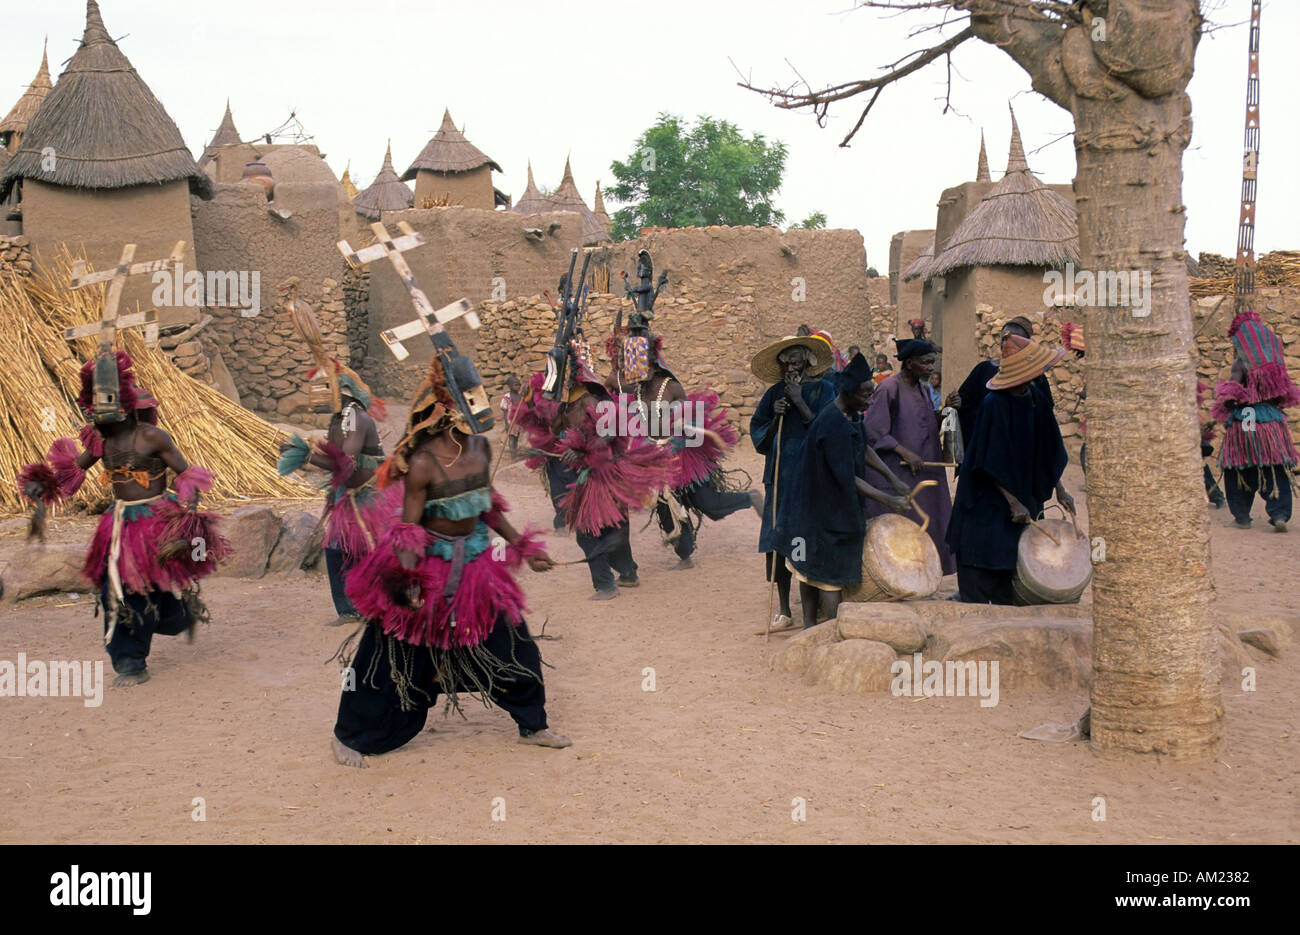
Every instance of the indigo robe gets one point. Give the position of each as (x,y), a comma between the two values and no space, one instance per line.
(825,508)
(973,391)
(903,415)
(817,395)
(1017,444)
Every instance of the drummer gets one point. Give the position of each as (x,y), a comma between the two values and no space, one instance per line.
(821,528)
(903,428)
(1014,460)
(794,366)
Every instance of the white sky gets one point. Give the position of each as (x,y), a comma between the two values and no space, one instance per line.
(528,80)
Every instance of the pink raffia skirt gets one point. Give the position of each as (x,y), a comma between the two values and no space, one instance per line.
(157,547)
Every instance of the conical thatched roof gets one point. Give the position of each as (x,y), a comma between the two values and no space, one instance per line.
(920,267)
(598,208)
(226,135)
(1020,222)
(346,181)
(982,167)
(105,126)
(386,193)
(22,112)
(448,151)
(531,201)
(567,198)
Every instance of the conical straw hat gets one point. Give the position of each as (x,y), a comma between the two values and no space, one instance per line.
(767,368)
(1028,361)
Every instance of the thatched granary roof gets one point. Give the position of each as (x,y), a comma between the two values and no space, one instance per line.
(346,181)
(598,208)
(386,193)
(1020,222)
(920,267)
(105,126)
(226,135)
(982,166)
(531,201)
(567,198)
(22,112)
(448,151)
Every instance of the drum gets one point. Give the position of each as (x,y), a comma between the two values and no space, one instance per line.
(899,562)
(1048,573)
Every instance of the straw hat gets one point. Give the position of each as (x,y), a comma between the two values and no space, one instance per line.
(767,368)
(1029,360)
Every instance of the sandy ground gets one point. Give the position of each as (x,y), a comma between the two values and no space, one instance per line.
(719,752)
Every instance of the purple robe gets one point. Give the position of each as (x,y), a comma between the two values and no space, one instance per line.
(903,415)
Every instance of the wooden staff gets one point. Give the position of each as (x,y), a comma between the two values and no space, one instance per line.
(776,486)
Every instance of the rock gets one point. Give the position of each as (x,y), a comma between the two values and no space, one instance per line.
(188,349)
(1261,639)
(294,402)
(852,665)
(895,624)
(798,649)
(1031,651)
(46,569)
(296,531)
(252,531)
(222,381)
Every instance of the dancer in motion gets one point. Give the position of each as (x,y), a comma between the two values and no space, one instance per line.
(356,512)
(444,613)
(152,546)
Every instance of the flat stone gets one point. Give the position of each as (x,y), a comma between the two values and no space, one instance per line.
(798,649)
(296,531)
(860,666)
(47,568)
(1261,639)
(1031,652)
(895,624)
(252,532)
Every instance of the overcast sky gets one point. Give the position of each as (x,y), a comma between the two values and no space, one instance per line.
(528,80)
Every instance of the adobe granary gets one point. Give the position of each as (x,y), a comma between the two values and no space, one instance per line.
(15,122)
(993,243)
(595,224)
(450,167)
(101,164)
(386,193)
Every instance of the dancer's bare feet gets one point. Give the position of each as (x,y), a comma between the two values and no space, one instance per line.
(135,678)
(683,565)
(347,756)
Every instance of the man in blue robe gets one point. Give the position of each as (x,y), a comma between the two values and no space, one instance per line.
(793,366)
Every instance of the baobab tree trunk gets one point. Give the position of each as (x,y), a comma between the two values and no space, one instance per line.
(1156,678)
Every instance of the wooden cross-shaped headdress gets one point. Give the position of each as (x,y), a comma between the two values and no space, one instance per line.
(110,324)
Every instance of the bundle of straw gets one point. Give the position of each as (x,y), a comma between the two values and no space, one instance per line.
(41,378)
(1279,268)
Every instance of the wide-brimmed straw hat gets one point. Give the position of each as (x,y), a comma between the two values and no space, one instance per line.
(767,368)
(1029,360)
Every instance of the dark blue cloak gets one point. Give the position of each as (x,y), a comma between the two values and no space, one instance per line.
(817,394)
(825,509)
(973,391)
(1016,443)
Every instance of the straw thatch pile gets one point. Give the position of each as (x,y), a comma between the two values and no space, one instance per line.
(22,112)
(386,193)
(40,380)
(1020,222)
(1279,268)
(448,151)
(105,126)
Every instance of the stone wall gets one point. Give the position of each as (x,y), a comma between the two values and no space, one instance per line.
(15,255)
(1279,307)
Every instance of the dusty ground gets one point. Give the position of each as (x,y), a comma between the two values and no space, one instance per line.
(718,753)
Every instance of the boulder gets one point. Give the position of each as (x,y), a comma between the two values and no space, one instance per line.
(297,527)
(46,568)
(852,665)
(1032,652)
(252,532)
(895,624)
(798,649)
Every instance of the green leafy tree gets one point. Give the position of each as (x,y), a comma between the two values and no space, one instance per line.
(711,173)
(813,222)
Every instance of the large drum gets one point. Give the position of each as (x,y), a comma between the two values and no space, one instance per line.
(1048,572)
(899,562)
